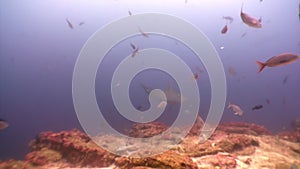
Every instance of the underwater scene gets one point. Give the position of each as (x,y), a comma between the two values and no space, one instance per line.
(171,84)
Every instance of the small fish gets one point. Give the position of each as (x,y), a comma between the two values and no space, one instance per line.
(299,11)
(143,33)
(228,18)
(249,20)
(81,23)
(196,76)
(129,12)
(244,34)
(231,71)
(3,124)
(268,101)
(257,107)
(237,110)
(225,29)
(285,79)
(279,60)
(133,46)
(222,47)
(134,53)
(69,23)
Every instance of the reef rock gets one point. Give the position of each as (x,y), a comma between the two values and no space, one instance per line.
(144,130)
(243,128)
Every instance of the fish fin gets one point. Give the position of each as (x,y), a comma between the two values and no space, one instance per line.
(261,66)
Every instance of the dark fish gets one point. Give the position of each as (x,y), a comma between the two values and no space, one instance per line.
(268,101)
(299,11)
(257,107)
(225,29)
(244,34)
(81,23)
(249,20)
(228,18)
(196,76)
(69,23)
(279,60)
(129,12)
(285,79)
(133,46)
(135,52)
(3,124)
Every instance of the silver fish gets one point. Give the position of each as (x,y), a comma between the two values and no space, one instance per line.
(237,110)
(249,20)
(279,60)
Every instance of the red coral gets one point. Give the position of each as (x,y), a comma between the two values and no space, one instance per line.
(243,128)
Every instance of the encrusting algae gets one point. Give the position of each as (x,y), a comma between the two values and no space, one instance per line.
(234,145)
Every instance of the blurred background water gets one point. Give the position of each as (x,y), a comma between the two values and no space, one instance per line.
(38,52)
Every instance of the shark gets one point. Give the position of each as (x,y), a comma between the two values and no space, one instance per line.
(173,97)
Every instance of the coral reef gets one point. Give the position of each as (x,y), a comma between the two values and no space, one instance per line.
(232,146)
(243,128)
(145,130)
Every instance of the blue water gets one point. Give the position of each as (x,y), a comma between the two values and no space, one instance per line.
(38,52)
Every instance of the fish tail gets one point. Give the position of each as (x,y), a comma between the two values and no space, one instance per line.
(261,66)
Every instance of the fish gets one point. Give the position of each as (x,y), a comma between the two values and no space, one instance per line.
(81,23)
(244,34)
(143,33)
(249,20)
(268,101)
(3,124)
(285,79)
(133,46)
(257,107)
(279,60)
(134,53)
(228,18)
(69,23)
(196,76)
(299,11)
(225,29)
(129,12)
(173,97)
(231,71)
(237,110)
